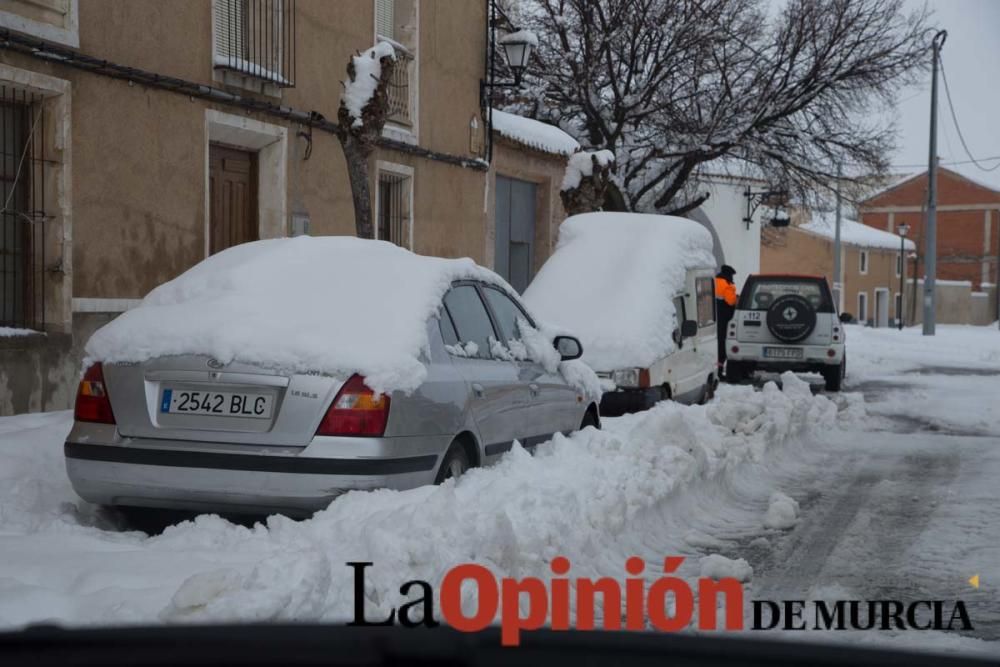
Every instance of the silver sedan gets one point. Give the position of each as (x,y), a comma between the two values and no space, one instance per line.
(187,432)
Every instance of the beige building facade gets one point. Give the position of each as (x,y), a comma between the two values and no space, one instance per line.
(152,134)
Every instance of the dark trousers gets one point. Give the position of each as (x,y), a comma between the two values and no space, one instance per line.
(724,313)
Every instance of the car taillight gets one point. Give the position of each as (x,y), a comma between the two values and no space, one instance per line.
(736,349)
(356,410)
(92,402)
(831,352)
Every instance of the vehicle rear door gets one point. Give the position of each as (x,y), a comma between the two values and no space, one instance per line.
(554,405)
(498,397)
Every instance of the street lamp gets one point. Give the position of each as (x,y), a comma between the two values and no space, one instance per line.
(902,229)
(770,197)
(517,46)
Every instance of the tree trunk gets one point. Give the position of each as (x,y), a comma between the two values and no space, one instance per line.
(359,141)
(357,173)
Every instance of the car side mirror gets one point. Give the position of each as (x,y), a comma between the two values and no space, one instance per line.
(846,318)
(568,347)
(689,329)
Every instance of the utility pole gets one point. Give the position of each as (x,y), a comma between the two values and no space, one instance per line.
(838,285)
(930,226)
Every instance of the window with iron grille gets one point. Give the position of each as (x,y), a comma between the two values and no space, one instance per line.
(394,195)
(395,21)
(256,38)
(22,214)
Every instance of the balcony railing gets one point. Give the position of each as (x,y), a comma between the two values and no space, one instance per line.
(398,89)
(256,38)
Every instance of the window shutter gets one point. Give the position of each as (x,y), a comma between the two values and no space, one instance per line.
(230,17)
(385,20)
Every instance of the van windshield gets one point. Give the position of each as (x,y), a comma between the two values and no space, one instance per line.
(760,293)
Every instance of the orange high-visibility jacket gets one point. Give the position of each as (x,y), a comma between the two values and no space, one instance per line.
(725,290)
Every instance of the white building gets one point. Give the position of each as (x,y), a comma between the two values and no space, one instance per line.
(736,242)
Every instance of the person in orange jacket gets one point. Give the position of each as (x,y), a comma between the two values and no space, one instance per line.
(725,307)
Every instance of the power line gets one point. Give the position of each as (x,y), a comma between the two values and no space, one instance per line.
(954,120)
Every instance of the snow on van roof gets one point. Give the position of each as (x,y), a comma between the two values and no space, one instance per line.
(337,305)
(611,282)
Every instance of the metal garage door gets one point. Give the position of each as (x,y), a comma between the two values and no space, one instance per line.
(515,230)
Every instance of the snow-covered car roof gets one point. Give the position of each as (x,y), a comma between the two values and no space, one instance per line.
(611,282)
(335,304)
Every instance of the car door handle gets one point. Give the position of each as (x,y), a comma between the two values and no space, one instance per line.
(533,388)
(478,390)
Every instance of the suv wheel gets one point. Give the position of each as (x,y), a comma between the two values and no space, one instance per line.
(736,372)
(834,376)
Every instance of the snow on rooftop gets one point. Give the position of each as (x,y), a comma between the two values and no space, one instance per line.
(367,71)
(334,304)
(534,133)
(853,232)
(611,282)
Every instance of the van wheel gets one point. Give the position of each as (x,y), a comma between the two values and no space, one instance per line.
(834,376)
(708,393)
(455,464)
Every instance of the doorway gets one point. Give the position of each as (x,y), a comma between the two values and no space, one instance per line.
(515,231)
(232,184)
(881,307)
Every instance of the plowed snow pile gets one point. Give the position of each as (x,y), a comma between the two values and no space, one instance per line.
(650,484)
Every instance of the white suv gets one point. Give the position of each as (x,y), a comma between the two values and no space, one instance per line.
(786,323)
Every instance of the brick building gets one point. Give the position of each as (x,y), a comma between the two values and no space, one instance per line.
(968,224)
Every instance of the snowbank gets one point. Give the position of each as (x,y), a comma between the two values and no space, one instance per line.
(336,305)
(533,133)
(853,232)
(367,72)
(611,282)
(596,497)
(582,164)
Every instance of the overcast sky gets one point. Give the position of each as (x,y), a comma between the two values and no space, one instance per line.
(971,59)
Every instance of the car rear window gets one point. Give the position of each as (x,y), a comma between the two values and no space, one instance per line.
(760,293)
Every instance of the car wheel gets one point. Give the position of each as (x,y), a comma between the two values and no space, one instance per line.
(736,372)
(834,376)
(455,464)
(590,419)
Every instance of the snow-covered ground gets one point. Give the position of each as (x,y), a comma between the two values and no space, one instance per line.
(886,491)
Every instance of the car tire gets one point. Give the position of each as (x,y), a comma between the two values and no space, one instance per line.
(834,376)
(736,372)
(590,419)
(708,393)
(455,464)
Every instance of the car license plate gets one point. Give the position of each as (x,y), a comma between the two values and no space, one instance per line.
(218,403)
(783,352)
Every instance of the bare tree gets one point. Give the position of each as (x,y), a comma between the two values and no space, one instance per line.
(671,85)
(359,129)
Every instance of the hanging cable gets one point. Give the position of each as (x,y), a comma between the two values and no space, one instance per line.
(954,120)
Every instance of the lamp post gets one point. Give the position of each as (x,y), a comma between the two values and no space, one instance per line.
(517,46)
(902,229)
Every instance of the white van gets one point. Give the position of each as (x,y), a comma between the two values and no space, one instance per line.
(639,292)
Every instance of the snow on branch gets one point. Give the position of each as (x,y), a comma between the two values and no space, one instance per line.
(585,182)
